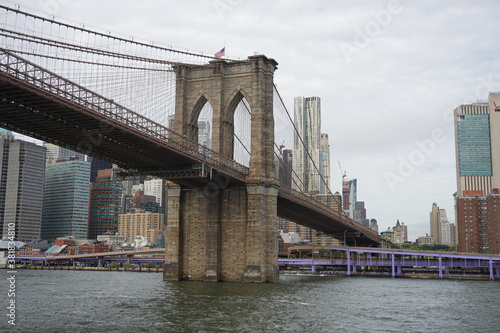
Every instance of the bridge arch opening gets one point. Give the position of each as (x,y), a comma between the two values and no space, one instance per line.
(242,120)
(201,122)
(204,122)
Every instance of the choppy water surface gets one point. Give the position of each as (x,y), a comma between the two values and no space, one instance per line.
(78,301)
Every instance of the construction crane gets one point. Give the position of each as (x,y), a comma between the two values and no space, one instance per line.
(344,174)
(282,145)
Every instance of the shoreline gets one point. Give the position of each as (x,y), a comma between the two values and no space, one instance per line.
(282,273)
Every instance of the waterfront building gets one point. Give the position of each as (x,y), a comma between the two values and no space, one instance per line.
(111,239)
(425,240)
(477,149)
(105,204)
(478,221)
(66,199)
(146,224)
(22,169)
(87,248)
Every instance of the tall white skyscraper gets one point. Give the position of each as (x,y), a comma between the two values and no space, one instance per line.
(325,163)
(445,228)
(307,119)
(156,188)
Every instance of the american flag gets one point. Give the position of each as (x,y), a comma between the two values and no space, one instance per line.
(221,53)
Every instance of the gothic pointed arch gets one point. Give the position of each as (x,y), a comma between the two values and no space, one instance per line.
(239,111)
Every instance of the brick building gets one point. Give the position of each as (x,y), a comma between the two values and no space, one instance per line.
(480,221)
(87,249)
(145,224)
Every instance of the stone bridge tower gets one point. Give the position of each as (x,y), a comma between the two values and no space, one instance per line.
(230,235)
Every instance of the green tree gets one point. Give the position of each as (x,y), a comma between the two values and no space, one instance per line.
(114,264)
(128,265)
(150,265)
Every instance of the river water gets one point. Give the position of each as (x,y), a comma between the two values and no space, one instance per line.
(87,301)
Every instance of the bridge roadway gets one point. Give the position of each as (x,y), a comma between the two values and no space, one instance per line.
(46,106)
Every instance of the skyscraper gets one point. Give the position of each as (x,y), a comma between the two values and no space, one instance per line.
(204,136)
(353,196)
(66,199)
(359,214)
(22,168)
(307,119)
(349,196)
(445,228)
(156,188)
(284,167)
(96,165)
(477,148)
(54,152)
(439,226)
(105,204)
(435,224)
(374,225)
(311,161)
(325,163)
(345,195)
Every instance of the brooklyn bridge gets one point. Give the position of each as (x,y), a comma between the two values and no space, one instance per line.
(137,105)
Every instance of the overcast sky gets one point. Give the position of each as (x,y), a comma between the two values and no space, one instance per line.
(389,74)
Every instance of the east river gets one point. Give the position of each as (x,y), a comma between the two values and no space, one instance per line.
(85,301)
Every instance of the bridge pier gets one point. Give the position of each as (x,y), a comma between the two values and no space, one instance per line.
(225,232)
(227,237)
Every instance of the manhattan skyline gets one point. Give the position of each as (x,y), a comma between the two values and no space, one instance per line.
(389,74)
